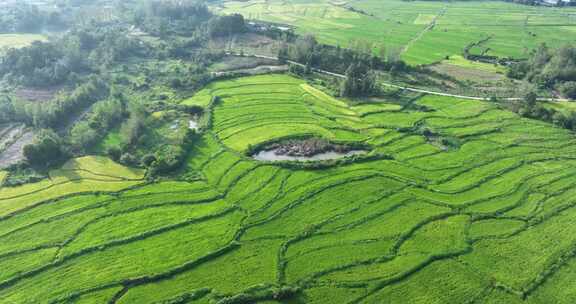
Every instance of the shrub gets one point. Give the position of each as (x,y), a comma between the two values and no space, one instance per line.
(147,160)
(168,158)
(114,153)
(451,142)
(20,176)
(45,150)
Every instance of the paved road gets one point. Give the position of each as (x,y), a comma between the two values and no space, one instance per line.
(411,89)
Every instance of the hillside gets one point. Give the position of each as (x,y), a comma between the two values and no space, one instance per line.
(467,197)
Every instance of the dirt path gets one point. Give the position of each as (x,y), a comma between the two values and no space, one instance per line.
(428,28)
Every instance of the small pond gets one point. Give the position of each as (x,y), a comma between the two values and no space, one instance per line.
(272,155)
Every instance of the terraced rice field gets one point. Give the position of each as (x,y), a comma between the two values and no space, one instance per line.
(489,220)
(425,31)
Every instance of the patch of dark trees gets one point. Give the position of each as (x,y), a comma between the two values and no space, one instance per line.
(50,148)
(20,175)
(549,69)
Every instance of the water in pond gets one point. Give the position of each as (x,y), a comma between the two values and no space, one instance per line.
(270,155)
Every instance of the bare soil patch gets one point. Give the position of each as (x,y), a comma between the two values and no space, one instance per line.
(464,73)
(265,69)
(249,43)
(14,153)
(233,63)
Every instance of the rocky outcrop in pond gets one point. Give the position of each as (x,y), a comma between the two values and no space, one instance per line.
(306,147)
(312,149)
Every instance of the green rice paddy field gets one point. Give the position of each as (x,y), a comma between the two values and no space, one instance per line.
(488,220)
(425,31)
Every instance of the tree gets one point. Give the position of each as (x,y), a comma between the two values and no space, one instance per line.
(83,136)
(133,128)
(221,26)
(148,160)
(114,153)
(360,81)
(167,158)
(530,99)
(45,150)
(283,54)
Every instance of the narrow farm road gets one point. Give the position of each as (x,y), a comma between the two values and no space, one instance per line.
(411,89)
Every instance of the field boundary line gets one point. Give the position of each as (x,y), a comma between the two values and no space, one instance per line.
(428,28)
